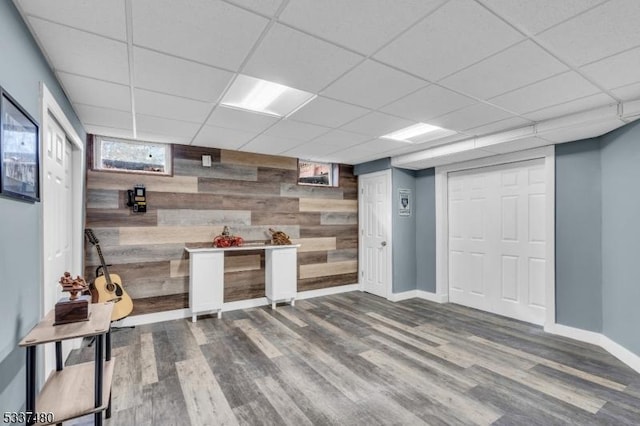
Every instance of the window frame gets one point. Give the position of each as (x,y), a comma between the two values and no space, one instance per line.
(96,157)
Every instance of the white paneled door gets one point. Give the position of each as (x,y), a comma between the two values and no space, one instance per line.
(57,227)
(375,232)
(497,239)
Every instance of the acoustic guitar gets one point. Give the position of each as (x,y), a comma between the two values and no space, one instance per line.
(109,286)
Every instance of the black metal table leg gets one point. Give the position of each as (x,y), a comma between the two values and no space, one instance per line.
(58,356)
(98,378)
(107,355)
(30,404)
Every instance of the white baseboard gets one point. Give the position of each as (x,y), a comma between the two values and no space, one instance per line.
(433,297)
(396,297)
(310,294)
(226,307)
(419,294)
(623,354)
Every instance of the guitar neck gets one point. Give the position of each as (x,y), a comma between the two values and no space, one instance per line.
(105,270)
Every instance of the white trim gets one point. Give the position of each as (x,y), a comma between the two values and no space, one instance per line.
(386,173)
(442,224)
(397,297)
(227,307)
(617,350)
(310,294)
(432,297)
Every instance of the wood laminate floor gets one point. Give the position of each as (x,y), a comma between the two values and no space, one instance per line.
(356,359)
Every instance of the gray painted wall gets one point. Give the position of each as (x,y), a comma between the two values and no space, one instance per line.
(404,233)
(425,204)
(372,166)
(578,235)
(621,236)
(23,67)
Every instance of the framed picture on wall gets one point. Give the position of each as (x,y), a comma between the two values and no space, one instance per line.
(19,151)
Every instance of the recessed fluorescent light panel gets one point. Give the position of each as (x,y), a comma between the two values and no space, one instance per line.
(266,97)
(419,133)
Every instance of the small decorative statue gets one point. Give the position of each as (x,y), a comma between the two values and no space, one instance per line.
(279,238)
(227,240)
(73,285)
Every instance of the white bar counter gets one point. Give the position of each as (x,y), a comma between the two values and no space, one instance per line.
(206,275)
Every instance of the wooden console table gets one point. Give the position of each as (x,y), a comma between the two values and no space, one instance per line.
(206,276)
(67,393)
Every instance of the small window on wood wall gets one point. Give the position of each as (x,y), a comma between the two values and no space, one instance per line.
(124,155)
(317,173)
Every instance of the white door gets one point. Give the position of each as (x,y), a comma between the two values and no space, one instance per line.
(497,233)
(57,222)
(375,232)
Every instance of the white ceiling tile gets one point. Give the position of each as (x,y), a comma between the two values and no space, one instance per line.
(328,112)
(628,93)
(552,91)
(498,126)
(219,137)
(615,71)
(357,154)
(230,118)
(522,64)
(211,32)
(428,103)
(600,32)
(291,129)
(292,58)
(165,127)
(469,117)
(456,35)
(172,107)
(154,137)
(582,104)
(266,7)
(310,151)
(340,138)
(272,145)
(373,85)
(108,131)
(89,91)
(106,18)
(385,145)
(82,53)
(104,117)
(168,74)
(584,131)
(376,124)
(360,25)
(538,15)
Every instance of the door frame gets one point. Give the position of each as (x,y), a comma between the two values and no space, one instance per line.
(49,109)
(442,219)
(389,225)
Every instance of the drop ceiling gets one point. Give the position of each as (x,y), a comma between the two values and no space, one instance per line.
(156,70)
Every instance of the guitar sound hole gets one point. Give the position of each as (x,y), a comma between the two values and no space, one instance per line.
(118,291)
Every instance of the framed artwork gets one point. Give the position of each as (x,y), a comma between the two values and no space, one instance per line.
(404,202)
(19,151)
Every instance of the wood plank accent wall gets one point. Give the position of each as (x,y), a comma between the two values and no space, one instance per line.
(248,192)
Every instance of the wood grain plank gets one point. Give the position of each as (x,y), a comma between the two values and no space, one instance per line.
(326,282)
(260,203)
(148,368)
(117,181)
(324,205)
(188,217)
(342,255)
(308,191)
(177,200)
(259,217)
(150,287)
(251,159)
(258,338)
(282,402)
(206,402)
(180,267)
(100,218)
(338,218)
(102,198)
(232,187)
(307,231)
(189,167)
(168,234)
(119,255)
(192,152)
(150,305)
(306,258)
(315,244)
(270,174)
(328,269)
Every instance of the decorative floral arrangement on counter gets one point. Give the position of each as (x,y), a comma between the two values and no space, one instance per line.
(279,238)
(227,240)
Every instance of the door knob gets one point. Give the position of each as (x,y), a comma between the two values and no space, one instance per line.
(383,244)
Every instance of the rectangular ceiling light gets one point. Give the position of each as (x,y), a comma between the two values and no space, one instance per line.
(406,134)
(266,97)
